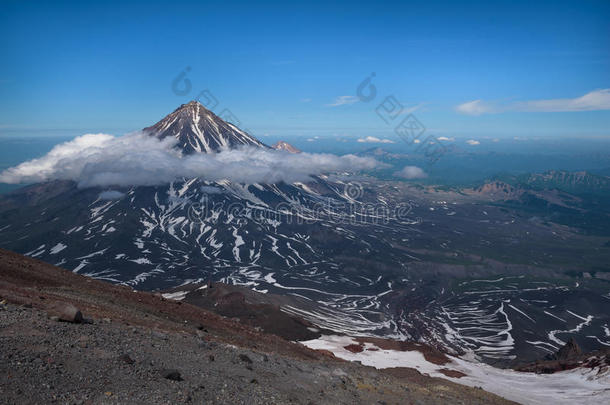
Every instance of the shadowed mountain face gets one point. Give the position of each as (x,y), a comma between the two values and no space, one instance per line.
(197,129)
(447,267)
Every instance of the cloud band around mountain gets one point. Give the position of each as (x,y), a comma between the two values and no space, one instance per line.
(140,160)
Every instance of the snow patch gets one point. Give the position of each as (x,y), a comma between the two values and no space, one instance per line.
(566,387)
(57,248)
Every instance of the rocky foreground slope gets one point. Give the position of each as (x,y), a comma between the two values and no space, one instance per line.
(137,347)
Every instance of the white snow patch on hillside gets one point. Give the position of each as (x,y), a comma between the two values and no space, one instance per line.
(57,248)
(141,260)
(177,296)
(567,387)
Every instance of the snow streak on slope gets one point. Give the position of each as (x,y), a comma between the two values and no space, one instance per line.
(485,330)
(498,318)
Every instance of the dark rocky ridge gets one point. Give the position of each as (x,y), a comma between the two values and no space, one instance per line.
(569,357)
(261,311)
(570,350)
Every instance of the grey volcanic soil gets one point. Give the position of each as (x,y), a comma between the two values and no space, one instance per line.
(46,361)
(123,355)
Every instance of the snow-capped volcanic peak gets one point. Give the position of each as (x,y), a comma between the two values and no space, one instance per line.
(282,145)
(200,130)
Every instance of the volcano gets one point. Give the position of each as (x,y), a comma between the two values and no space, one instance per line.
(198,129)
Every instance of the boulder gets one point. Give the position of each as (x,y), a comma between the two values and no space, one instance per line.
(126,358)
(69,313)
(171,374)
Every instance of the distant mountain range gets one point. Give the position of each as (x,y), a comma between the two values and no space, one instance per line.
(572,182)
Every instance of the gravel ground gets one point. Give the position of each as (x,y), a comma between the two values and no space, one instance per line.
(105,362)
(139,348)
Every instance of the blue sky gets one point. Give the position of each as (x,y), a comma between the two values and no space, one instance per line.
(76,68)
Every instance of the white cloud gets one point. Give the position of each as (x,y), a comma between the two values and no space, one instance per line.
(473,142)
(412,109)
(343,100)
(444,138)
(372,139)
(139,160)
(592,101)
(595,100)
(476,107)
(411,172)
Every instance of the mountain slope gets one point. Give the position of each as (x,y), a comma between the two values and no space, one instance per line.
(138,347)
